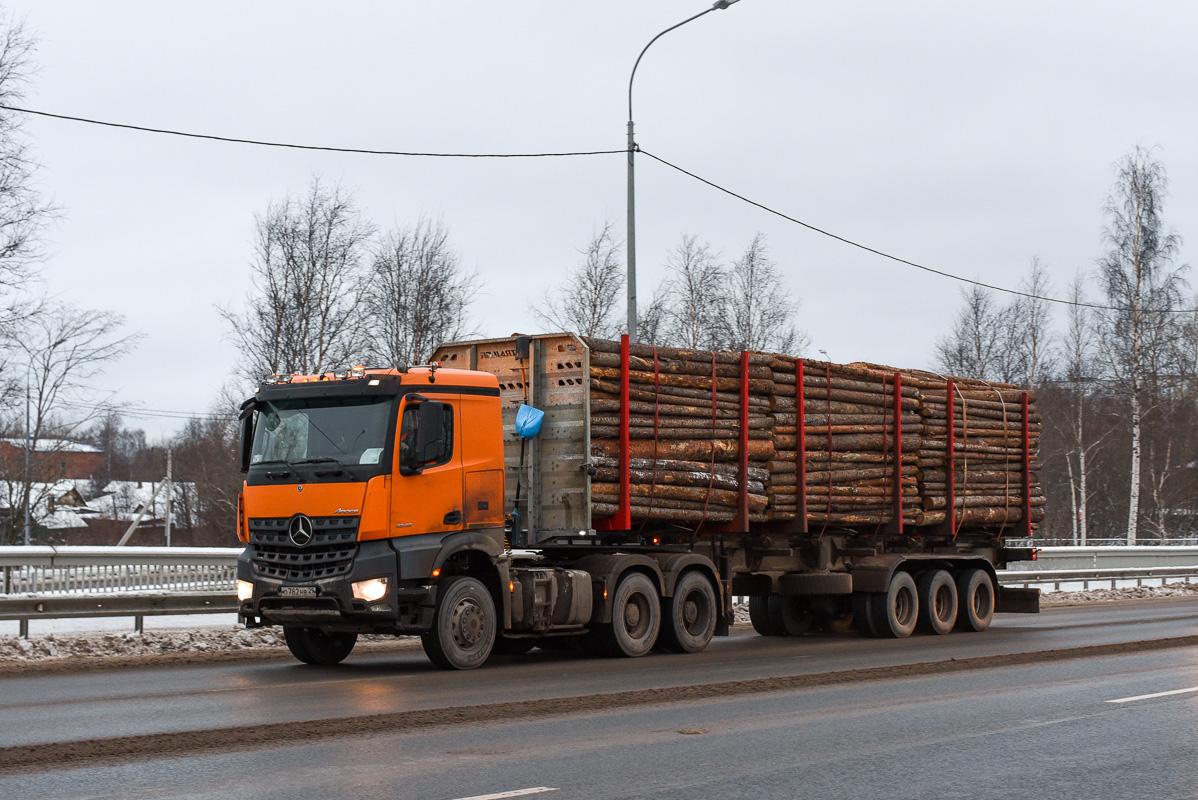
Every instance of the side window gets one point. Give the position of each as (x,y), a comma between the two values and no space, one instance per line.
(437,450)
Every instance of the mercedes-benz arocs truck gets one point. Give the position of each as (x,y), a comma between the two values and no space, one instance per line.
(407,501)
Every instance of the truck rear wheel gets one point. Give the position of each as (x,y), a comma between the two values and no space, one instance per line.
(895,611)
(975,600)
(635,618)
(937,601)
(314,646)
(464,625)
(688,618)
(790,614)
(759,616)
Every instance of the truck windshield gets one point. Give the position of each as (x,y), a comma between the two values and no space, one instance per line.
(342,430)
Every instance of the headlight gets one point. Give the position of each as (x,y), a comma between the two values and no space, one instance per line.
(371,590)
(245,590)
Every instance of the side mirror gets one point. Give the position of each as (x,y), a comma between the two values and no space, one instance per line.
(247,433)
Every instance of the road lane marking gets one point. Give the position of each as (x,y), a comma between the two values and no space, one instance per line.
(1150,696)
(516,793)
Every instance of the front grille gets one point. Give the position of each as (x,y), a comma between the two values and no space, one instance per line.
(328,555)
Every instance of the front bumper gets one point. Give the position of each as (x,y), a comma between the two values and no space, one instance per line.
(329,603)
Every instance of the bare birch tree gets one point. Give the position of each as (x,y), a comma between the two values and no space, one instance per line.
(696,297)
(63,349)
(418,295)
(760,312)
(302,314)
(1140,282)
(974,348)
(22,212)
(588,303)
(1080,367)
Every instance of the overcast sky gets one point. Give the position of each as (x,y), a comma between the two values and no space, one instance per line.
(969,137)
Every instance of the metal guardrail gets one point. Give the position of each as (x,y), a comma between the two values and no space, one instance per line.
(110,570)
(1058,577)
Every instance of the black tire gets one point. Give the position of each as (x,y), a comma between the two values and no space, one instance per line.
(314,646)
(896,611)
(863,614)
(790,615)
(937,601)
(975,600)
(464,625)
(759,616)
(636,618)
(688,618)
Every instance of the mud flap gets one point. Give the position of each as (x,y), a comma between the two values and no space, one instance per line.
(1017,601)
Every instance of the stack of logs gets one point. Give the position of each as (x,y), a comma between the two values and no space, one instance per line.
(851,450)
(988,452)
(684,421)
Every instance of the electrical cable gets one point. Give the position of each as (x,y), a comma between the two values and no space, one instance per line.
(886,255)
(292,146)
(149,413)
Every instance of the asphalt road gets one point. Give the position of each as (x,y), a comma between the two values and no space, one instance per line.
(1044,730)
(59,708)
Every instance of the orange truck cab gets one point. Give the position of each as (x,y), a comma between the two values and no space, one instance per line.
(361,490)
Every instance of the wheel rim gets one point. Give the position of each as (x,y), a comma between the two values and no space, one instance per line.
(981,602)
(695,613)
(467,624)
(944,604)
(904,606)
(636,616)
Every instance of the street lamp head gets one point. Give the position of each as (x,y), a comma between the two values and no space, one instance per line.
(722,4)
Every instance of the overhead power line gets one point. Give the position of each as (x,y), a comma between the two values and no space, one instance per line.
(293,146)
(149,413)
(659,159)
(889,256)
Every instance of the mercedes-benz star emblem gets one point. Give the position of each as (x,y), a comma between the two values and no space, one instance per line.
(300,530)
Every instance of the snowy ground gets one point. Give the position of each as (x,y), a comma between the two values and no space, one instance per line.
(89,643)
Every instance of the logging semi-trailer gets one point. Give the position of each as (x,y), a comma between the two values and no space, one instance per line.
(554,491)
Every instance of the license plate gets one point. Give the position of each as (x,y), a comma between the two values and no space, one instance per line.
(298,591)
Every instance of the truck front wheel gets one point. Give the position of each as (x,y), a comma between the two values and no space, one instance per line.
(464,625)
(635,618)
(689,617)
(314,646)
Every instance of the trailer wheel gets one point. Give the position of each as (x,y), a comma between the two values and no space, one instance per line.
(688,618)
(759,616)
(863,614)
(464,625)
(635,618)
(896,610)
(789,615)
(314,646)
(937,601)
(975,600)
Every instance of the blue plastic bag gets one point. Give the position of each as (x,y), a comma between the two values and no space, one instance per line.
(528,421)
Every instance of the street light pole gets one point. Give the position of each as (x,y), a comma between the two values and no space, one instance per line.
(631,238)
(28,453)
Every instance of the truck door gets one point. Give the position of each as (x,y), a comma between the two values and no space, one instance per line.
(427,494)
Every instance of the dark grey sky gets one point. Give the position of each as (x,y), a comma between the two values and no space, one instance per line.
(969,137)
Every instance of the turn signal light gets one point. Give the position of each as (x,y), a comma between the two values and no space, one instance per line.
(371,590)
(245,591)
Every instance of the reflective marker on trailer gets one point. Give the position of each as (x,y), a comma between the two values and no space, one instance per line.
(1150,696)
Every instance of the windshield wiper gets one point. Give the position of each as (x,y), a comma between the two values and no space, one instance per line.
(324,460)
